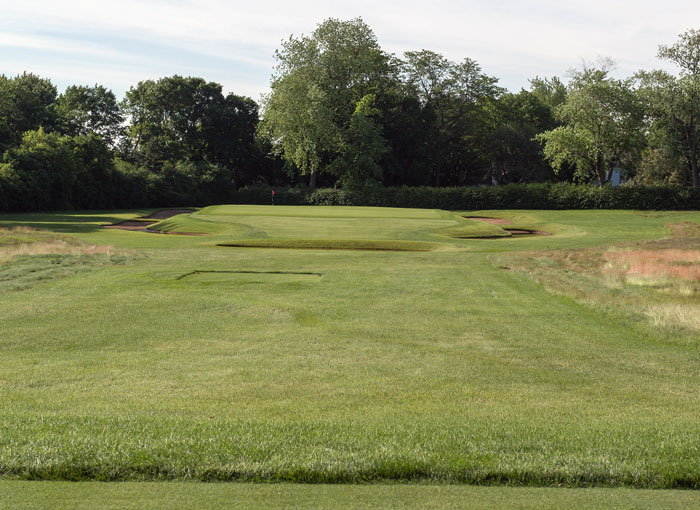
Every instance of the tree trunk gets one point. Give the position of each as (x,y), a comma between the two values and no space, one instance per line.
(599,171)
(692,144)
(496,174)
(312,180)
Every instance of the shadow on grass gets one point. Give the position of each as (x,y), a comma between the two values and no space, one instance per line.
(68,222)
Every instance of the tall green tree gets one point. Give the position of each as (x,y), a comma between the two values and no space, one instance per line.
(319,84)
(41,172)
(298,122)
(602,128)
(94,110)
(27,102)
(358,165)
(673,102)
(454,97)
(516,156)
(166,119)
(189,119)
(549,91)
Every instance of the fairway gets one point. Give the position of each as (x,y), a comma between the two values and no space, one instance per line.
(341,344)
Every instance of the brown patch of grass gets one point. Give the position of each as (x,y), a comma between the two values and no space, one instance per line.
(685,229)
(669,263)
(23,241)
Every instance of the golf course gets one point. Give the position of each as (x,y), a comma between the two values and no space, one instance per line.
(314,354)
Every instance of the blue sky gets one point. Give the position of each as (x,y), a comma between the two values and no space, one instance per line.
(117,44)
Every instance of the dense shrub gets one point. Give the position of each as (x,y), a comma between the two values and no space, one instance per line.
(40,173)
(512,196)
(125,185)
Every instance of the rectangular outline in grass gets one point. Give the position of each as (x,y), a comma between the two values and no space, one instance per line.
(200,271)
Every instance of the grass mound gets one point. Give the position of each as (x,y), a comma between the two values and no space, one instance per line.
(333,244)
(328,212)
(473,229)
(188,224)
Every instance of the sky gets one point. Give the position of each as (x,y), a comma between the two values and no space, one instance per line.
(118,44)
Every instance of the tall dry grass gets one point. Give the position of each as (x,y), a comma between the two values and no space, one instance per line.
(24,241)
(675,315)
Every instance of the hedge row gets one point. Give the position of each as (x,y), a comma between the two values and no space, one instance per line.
(512,196)
(132,188)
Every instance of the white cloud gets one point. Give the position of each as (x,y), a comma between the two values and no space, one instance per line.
(233,42)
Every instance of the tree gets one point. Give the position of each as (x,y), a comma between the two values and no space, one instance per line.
(602,126)
(453,96)
(515,154)
(166,119)
(42,171)
(26,103)
(94,186)
(549,91)
(404,126)
(90,110)
(662,162)
(673,103)
(299,123)
(359,163)
(188,119)
(320,82)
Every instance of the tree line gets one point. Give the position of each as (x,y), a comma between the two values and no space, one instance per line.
(342,112)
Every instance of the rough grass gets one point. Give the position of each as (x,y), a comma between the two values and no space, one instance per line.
(659,279)
(29,257)
(666,264)
(432,367)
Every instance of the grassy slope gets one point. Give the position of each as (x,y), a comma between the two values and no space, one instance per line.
(280,223)
(398,365)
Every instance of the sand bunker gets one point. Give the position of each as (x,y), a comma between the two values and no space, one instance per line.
(516,232)
(142,225)
(487,219)
(132,225)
